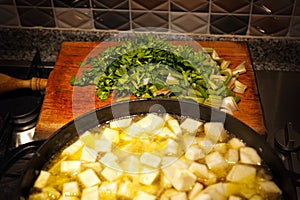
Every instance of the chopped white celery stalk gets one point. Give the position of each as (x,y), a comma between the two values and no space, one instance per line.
(229,104)
(241,68)
(239,87)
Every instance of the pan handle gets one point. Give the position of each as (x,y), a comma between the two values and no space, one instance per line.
(8,83)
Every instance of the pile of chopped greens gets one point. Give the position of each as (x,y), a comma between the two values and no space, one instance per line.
(148,66)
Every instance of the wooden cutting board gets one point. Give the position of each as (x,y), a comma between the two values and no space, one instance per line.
(59,106)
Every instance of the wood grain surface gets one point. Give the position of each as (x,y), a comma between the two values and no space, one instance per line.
(63,103)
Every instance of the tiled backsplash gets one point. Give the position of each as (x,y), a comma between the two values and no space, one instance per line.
(278,18)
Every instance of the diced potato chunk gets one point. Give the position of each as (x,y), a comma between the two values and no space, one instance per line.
(144,196)
(215,161)
(235,143)
(190,125)
(102,145)
(109,159)
(111,174)
(270,189)
(73,148)
(68,198)
(232,156)
(108,190)
(89,178)
(133,130)
(42,179)
(126,190)
(215,131)
(90,193)
(88,139)
(147,176)
(165,132)
(130,164)
(150,160)
(120,123)
(70,166)
(111,135)
(242,173)
(71,189)
(249,155)
(183,180)
(203,196)
(198,187)
(200,170)
(171,147)
(151,122)
(171,165)
(194,153)
(53,193)
(88,154)
(174,126)
(178,196)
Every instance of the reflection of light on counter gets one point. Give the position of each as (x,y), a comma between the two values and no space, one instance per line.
(260,29)
(265,8)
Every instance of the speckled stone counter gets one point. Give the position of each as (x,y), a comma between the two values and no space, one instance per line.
(21,45)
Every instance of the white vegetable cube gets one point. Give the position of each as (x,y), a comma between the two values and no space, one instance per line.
(235,143)
(88,139)
(144,196)
(102,145)
(190,125)
(215,161)
(232,156)
(206,145)
(171,147)
(134,130)
(111,135)
(42,179)
(126,190)
(215,131)
(242,173)
(108,189)
(148,176)
(70,166)
(89,178)
(203,196)
(151,122)
(198,187)
(178,196)
(200,170)
(90,193)
(232,197)
(120,123)
(111,174)
(183,180)
(130,164)
(51,192)
(68,198)
(70,189)
(165,132)
(173,124)
(270,189)
(170,165)
(221,147)
(88,154)
(109,159)
(194,153)
(73,148)
(150,160)
(249,155)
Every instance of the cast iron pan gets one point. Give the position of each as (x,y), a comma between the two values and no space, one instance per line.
(185,108)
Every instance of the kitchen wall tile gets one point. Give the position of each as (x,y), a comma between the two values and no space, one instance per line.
(190,5)
(230,6)
(112,4)
(228,24)
(74,18)
(273,7)
(295,28)
(150,19)
(6,2)
(158,5)
(116,20)
(189,23)
(41,3)
(72,3)
(269,25)
(9,15)
(34,16)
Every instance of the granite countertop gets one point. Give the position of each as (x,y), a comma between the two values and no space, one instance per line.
(267,53)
